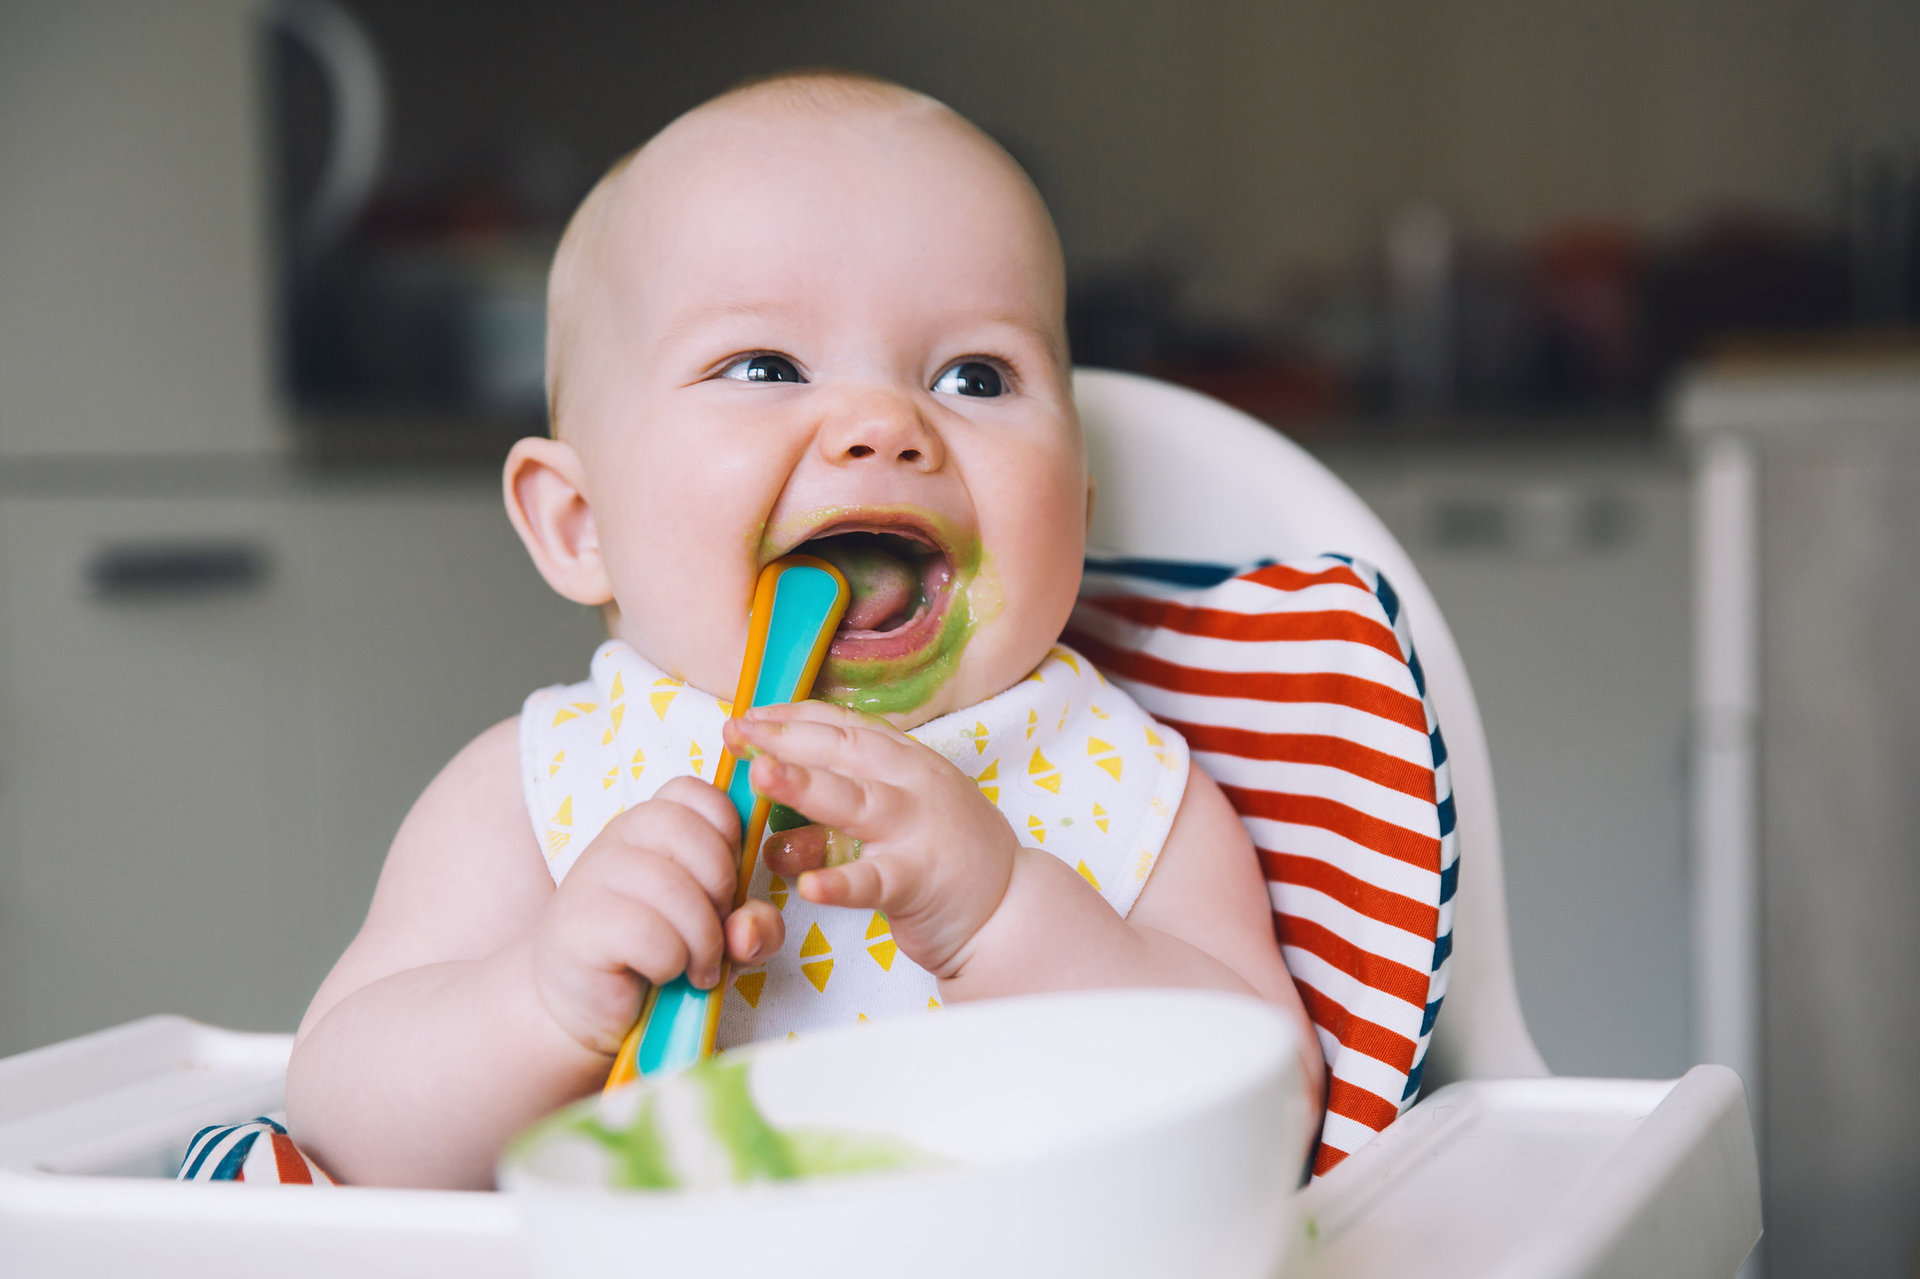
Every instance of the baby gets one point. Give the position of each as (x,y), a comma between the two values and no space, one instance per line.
(820,313)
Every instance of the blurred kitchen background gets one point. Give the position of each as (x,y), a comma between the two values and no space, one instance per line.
(1607,306)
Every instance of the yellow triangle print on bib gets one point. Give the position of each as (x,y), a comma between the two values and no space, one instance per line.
(880,943)
(819,970)
(664,691)
(991,773)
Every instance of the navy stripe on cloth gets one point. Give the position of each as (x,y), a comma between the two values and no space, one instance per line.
(1172,572)
(1390,601)
(206,1148)
(1413,1079)
(229,1167)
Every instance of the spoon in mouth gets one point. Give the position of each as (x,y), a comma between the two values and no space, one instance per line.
(798,602)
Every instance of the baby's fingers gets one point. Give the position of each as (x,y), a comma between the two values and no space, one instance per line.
(706,800)
(792,852)
(848,745)
(818,712)
(615,932)
(755,933)
(858,805)
(891,884)
(652,916)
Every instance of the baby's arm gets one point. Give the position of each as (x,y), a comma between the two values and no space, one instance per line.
(1203,919)
(476,997)
(989,917)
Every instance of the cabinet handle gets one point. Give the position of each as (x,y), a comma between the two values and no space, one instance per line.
(175,570)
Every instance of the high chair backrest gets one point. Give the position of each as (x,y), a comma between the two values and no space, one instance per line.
(1181,476)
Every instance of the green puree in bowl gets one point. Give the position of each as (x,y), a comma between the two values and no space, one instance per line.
(700,1129)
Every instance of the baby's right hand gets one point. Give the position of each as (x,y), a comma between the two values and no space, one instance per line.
(645,903)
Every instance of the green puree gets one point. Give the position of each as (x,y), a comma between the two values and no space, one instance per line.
(756,1150)
(897,685)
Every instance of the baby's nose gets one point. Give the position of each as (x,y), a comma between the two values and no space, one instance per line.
(880,427)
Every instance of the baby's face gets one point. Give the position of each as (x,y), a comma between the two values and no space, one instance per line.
(841,337)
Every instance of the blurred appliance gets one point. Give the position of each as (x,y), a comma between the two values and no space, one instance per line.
(344,54)
(1807,738)
(399,294)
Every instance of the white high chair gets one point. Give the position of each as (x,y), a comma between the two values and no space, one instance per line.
(1503,1171)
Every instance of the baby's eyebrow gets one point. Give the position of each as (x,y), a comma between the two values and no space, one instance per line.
(1031,327)
(691,322)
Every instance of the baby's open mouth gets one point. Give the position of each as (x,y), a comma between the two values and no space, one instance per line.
(900,581)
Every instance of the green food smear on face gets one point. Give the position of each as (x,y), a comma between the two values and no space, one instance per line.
(896,686)
(755,1150)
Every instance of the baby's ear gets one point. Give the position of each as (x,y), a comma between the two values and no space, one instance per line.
(547,503)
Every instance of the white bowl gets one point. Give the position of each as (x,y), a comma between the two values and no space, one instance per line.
(1110,1133)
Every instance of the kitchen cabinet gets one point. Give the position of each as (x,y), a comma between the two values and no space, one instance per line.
(214,711)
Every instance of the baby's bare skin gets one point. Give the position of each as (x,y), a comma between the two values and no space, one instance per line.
(900,268)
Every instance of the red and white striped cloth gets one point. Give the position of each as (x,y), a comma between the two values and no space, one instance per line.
(1297,687)
(257,1152)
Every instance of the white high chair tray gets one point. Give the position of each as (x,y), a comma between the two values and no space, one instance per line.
(1536,1177)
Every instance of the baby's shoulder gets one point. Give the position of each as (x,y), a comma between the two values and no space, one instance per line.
(479,787)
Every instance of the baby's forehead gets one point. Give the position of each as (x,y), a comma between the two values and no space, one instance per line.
(777,132)
(737,175)
(750,166)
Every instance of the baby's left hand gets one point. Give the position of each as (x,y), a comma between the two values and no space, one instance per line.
(935,854)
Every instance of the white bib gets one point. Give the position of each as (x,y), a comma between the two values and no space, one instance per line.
(1078,769)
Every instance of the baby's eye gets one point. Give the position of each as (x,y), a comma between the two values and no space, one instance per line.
(970,377)
(762,368)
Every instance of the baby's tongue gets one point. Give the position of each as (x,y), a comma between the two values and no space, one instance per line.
(883,584)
